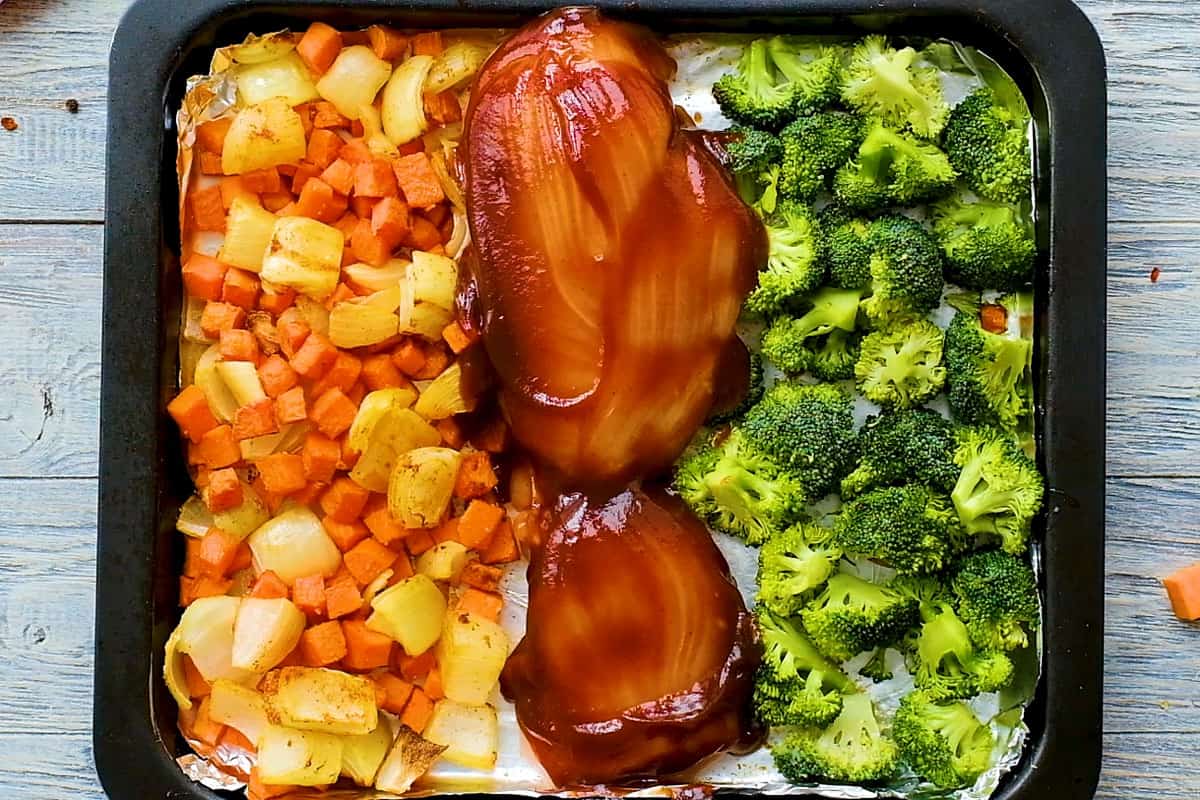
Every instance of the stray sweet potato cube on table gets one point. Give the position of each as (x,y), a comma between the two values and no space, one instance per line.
(1183,588)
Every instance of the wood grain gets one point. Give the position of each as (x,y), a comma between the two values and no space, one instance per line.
(50,330)
(52,168)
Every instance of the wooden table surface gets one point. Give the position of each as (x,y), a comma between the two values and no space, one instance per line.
(51,214)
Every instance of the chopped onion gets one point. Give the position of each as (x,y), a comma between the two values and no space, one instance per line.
(265,631)
(204,632)
(239,707)
(377,279)
(363,321)
(285,77)
(293,545)
(266,134)
(444,397)
(403,106)
(354,79)
(455,66)
(220,400)
(248,228)
(194,518)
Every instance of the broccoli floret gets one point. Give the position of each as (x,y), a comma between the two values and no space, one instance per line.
(910,444)
(906,271)
(756,94)
(834,356)
(987,245)
(751,150)
(999,490)
(876,668)
(785,342)
(740,489)
(887,83)
(792,265)
(852,615)
(814,147)
(852,749)
(795,685)
(754,393)
(753,156)
(793,563)
(911,528)
(988,374)
(997,599)
(901,366)
(944,743)
(987,141)
(809,429)
(845,249)
(828,358)
(948,665)
(892,168)
(816,78)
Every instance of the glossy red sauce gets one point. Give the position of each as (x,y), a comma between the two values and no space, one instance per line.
(639,654)
(611,252)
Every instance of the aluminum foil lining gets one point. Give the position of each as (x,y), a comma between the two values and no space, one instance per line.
(701,60)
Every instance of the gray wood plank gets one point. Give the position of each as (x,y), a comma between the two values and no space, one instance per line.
(1154,375)
(48,766)
(54,161)
(60,50)
(50,330)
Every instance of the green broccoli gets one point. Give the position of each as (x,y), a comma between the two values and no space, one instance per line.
(752,155)
(792,564)
(739,489)
(906,271)
(997,599)
(999,490)
(987,245)
(944,743)
(988,142)
(795,685)
(892,168)
(887,83)
(948,665)
(809,429)
(901,366)
(910,444)
(845,250)
(989,374)
(852,749)
(755,94)
(754,393)
(852,615)
(816,78)
(784,342)
(814,146)
(792,265)
(832,357)
(911,528)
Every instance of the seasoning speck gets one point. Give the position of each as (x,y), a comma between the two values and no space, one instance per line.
(72,105)
(697,116)
(8,123)
(1154,273)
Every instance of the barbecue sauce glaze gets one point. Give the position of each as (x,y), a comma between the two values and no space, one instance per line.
(610,258)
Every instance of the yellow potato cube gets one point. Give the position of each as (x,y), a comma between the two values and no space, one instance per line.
(263,135)
(325,700)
